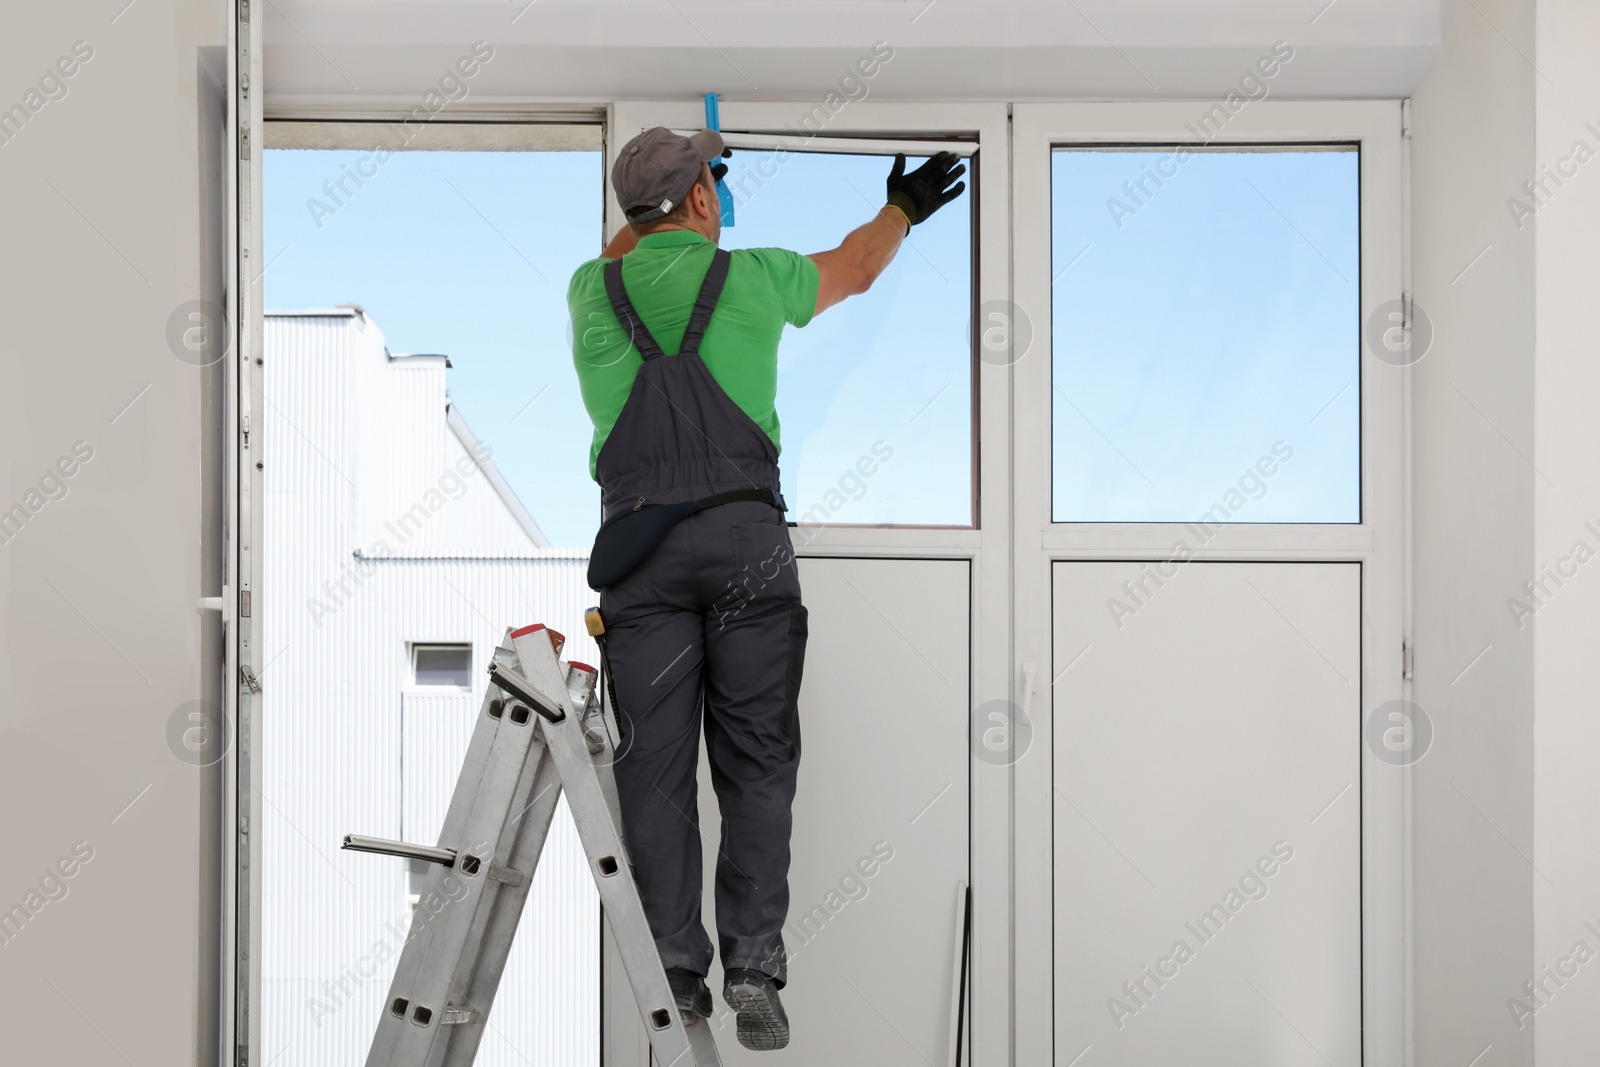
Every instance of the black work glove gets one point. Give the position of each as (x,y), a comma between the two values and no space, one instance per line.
(928,188)
(719,171)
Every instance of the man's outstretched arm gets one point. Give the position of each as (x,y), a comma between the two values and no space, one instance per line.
(863,255)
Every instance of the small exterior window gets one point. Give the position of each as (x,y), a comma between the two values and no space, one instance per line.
(442,665)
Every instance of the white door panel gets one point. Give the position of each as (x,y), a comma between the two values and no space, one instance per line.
(1216,728)
(883,788)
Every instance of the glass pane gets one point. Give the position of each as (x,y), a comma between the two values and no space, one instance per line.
(458,253)
(875,394)
(444,665)
(1206,335)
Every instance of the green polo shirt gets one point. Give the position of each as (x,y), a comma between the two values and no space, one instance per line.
(766,288)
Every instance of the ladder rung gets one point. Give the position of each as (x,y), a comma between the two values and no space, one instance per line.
(384,847)
(511,682)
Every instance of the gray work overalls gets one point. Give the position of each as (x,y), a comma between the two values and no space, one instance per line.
(713,619)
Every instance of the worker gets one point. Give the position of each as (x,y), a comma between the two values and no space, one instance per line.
(675,342)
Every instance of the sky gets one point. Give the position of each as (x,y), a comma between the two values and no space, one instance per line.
(1195,327)
(469,253)
(465,254)
(1198,325)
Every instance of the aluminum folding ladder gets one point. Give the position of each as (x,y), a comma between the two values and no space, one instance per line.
(540,731)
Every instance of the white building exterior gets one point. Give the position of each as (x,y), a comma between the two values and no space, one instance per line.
(387,526)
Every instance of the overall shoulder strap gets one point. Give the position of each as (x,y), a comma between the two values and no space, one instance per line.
(706,302)
(629,318)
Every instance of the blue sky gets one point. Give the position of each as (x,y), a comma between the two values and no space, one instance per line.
(893,365)
(468,254)
(1220,317)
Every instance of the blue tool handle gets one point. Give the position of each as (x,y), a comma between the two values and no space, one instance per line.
(724,194)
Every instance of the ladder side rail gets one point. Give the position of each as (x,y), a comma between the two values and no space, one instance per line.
(449,933)
(419,931)
(526,838)
(619,895)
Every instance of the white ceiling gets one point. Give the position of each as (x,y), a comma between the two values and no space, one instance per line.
(601,50)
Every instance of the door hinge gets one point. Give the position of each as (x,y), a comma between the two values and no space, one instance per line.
(248,677)
(1408,660)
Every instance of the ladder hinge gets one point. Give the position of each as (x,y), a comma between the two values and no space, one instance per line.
(1408,660)
(509,875)
(456,1016)
(248,677)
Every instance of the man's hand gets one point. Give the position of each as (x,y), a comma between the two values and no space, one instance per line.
(926,189)
(853,266)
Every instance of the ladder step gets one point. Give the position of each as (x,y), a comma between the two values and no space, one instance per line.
(509,875)
(540,737)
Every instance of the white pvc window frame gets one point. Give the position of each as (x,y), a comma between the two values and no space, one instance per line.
(1377,542)
(312,123)
(870,126)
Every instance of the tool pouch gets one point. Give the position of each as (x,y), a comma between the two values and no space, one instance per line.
(626,540)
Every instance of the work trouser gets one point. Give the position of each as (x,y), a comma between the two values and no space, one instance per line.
(711,619)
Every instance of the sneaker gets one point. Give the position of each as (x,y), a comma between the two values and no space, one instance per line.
(763,1026)
(690,993)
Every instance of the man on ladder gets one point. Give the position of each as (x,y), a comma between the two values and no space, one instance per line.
(675,342)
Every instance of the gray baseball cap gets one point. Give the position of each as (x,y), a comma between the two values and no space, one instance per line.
(657,169)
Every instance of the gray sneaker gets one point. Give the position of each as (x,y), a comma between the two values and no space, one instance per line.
(690,994)
(763,1026)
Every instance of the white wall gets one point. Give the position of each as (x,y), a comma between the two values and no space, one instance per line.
(360,457)
(801,49)
(102,643)
(109,213)
(1567,450)
(1472,122)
